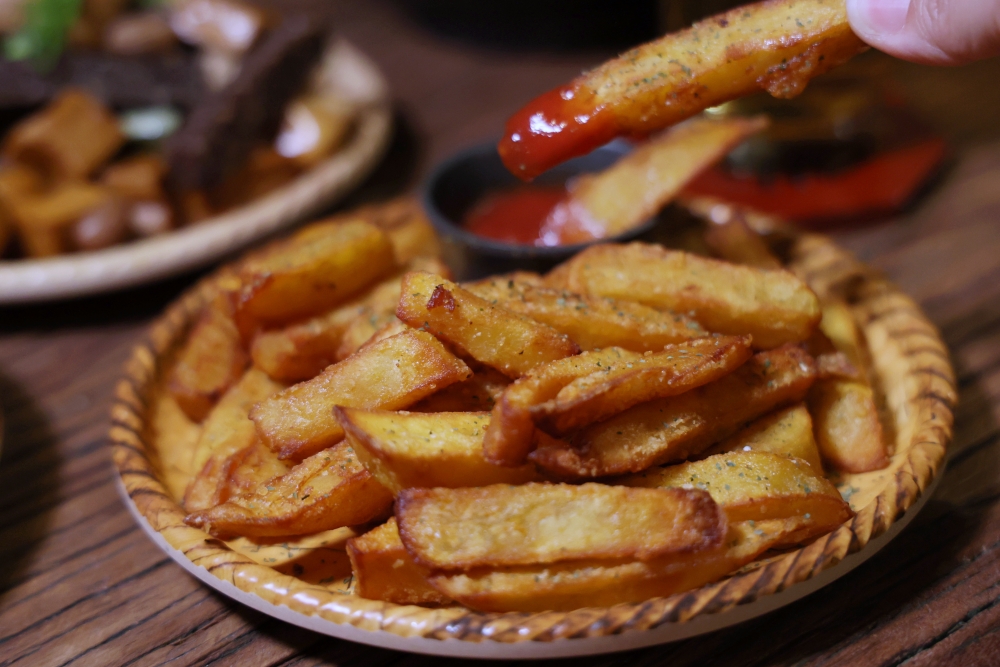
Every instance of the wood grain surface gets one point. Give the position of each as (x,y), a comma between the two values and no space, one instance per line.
(80,584)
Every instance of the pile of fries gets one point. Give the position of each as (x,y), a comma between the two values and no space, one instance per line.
(638,422)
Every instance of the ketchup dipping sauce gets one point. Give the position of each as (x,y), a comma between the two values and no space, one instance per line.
(536,215)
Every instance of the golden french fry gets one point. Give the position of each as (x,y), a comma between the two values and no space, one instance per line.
(211,361)
(226,431)
(840,327)
(391,374)
(139,177)
(408,228)
(314,126)
(406,450)
(636,187)
(68,139)
(384,571)
(58,207)
(572,585)
(675,370)
(328,490)
(459,529)
(755,486)
(788,432)
(591,322)
(511,343)
(321,266)
(776,45)
(364,328)
(675,428)
(730,236)
(512,433)
(774,307)
(477,394)
(848,430)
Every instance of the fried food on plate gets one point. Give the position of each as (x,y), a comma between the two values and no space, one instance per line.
(675,428)
(384,571)
(211,361)
(459,529)
(477,394)
(511,343)
(390,374)
(774,307)
(788,432)
(591,322)
(775,45)
(636,187)
(328,490)
(730,236)
(848,430)
(405,450)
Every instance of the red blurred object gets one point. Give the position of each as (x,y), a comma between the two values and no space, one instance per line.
(880,185)
(514,216)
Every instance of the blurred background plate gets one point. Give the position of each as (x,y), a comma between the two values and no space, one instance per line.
(23,281)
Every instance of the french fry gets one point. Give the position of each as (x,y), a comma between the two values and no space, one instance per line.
(225,432)
(675,428)
(364,328)
(755,486)
(591,322)
(788,432)
(678,368)
(408,228)
(301,351)
(58,207)
(774,307)
(318,268)
(69,139)
(477,394)
(330,489)
(511,343)
(512,433)
(840,327)
(391,374)
(776,45)
(532,524)
(406,450)
(730,237)
(848,430)
(573,585)
(384,571)
(636,187)
(314,126)
(211,361)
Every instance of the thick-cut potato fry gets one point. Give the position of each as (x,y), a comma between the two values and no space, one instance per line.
(477,394)
(512,432)
(678,368)
(774,307)
(788,432)
(776,45)
(60,206)
(391,374)
(848,430)
(225,432)
(636,187)
(139,177)
(840,327)
(730,237)
(328,490)
(511,343)
(409,230)
(316,269)
(249,468)
(592,322)
(406,450)
(675,428)
(211,361)
(459,529)
(384,571)
(301,351)
(755,486)
(572,585)
(364,328)
(69,139)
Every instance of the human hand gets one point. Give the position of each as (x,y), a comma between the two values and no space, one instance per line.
(933,32)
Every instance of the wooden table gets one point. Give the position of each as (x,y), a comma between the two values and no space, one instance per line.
(81,584)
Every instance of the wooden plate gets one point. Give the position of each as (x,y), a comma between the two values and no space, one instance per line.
(286,580)
(30,280)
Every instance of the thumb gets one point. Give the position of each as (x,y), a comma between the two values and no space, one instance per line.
(935,32)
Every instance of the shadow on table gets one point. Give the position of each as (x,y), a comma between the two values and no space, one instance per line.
(29,466)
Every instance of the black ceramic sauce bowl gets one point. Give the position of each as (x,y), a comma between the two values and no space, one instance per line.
(462,180)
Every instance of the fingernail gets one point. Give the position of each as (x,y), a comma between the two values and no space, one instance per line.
(885,16)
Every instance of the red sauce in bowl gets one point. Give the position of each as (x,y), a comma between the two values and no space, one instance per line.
(519,215)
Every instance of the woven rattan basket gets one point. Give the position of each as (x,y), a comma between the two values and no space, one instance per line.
(914,376)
